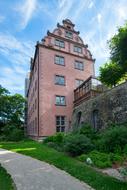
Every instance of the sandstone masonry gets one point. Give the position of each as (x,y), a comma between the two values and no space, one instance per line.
(108,107)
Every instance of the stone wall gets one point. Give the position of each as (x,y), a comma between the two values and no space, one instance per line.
(108,107)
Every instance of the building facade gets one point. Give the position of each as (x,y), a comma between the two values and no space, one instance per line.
(61,63)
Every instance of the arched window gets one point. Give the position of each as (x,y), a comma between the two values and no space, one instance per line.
(95,119)
(79,118)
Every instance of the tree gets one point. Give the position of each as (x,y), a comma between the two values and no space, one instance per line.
(110,74)
(3,91)
(3,96)
(11,107)
(11,110)
(116,70)
(118,48)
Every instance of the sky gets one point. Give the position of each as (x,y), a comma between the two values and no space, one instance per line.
(24,22)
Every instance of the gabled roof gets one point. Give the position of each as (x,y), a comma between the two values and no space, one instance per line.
(68,21)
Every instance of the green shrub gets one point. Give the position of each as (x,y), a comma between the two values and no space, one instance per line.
(87,130)
(57,138)
(52,145)
(15,135)
(12,133)
(99,159)
(101,164)
(2,137)
(83,157)
(55,141)
(77,144)
(102,160)
(115,158)
(125,150)
(113,139)
(56,146)
(48,139)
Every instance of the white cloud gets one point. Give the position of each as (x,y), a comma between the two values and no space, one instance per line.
(99,17)
(91,4)
(64,7)
(12,80)
(18,52)
(71,8)
(62,3)
(11,84)
(20,70)
(9,41)
(26,11)
(110,16)
(81,7)
(121,12)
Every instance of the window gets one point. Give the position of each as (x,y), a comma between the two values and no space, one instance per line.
(60,100)
(77,49)
(60,80)
(60,123)
(79,65)
(96,119)
(68,27)
(68,34)
(59,43)
(59,60)
(78,82)
(79,118)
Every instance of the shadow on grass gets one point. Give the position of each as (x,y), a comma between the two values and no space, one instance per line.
(77,169)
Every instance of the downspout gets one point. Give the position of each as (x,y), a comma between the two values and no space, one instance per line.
(38,88)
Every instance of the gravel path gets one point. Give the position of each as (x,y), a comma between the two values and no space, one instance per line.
(113,173)
(31,174)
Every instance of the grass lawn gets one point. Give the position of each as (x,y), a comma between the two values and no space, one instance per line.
(77,169)
(6,182)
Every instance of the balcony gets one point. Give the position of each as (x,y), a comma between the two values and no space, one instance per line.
(88,89)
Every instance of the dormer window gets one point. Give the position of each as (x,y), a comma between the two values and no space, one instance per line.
(68,27)
(79,65)
(59,43)
(68,34)
(77,49)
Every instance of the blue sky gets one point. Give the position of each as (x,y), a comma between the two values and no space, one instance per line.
(23,22)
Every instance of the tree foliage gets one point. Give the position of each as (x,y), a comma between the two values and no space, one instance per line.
(11,110)
(118,48)
(112,73)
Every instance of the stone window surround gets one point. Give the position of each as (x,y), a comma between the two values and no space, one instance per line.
(76,49)
(60,127)
(59,60)
(77,65)
(60,100)
(58,43)
(68,34)
(57,83)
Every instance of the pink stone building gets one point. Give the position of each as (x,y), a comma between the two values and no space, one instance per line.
(61,63)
